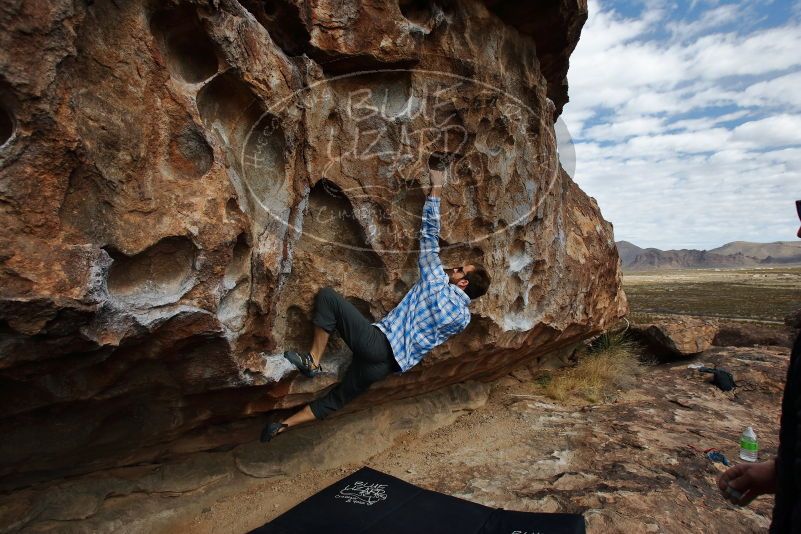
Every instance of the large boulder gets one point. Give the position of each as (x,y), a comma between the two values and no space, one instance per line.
(178,180)
(677,336)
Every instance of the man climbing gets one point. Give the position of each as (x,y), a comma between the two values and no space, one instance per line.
(434,309)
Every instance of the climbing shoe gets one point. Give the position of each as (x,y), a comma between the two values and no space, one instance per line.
(270,431)
(304,362)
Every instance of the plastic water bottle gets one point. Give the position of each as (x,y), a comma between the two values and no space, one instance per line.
(749,449)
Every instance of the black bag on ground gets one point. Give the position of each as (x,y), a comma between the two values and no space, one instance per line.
(720,377)
(371,502)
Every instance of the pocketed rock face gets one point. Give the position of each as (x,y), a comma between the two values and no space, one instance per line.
(178,179)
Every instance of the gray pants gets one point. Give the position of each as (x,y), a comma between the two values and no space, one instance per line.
(372,353)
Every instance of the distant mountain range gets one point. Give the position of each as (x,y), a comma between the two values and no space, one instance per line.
(730,255)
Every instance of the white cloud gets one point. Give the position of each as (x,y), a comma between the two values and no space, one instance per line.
(623,129)
(719,55)
(710,19)
(705,123)
(784,91)
(779,130)
(700,141)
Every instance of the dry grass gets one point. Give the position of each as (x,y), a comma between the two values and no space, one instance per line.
(610,365)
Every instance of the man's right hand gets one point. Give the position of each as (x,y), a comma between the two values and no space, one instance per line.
(438,166)
(437,178)
(748,481)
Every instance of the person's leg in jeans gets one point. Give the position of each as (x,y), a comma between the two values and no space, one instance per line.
(334,312)
(373,361)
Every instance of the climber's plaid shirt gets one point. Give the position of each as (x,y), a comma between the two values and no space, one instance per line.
(433,309)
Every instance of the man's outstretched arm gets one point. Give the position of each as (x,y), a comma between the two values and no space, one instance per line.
(430,265)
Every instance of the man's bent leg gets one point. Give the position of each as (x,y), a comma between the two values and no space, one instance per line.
(332,401)
(303,416)
(273,429)
(374,362)
(356,381)
(333,312)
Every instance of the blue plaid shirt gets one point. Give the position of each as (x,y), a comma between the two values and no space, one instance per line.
(433,309)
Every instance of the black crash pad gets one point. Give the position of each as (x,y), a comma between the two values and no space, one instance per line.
(371,502)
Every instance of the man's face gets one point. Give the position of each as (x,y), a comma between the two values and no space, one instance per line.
(456,274)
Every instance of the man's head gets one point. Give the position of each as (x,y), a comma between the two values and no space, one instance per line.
(470,278)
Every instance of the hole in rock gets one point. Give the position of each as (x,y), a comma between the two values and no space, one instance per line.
(417,11)
(190,53)
(331,229)
(158,275)
(232,208)
(190,155)
(514,286)
(518,248)
(253,138)
(282,21)
(335,65)
(6,126)
(464,67)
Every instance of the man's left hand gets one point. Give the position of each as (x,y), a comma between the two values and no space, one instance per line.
(748,482)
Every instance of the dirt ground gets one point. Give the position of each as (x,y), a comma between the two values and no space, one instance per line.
(632,464)
(629,466)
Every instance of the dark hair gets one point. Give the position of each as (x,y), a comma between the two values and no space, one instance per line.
(478,281)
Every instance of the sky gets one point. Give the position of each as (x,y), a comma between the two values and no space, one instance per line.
(686,119)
